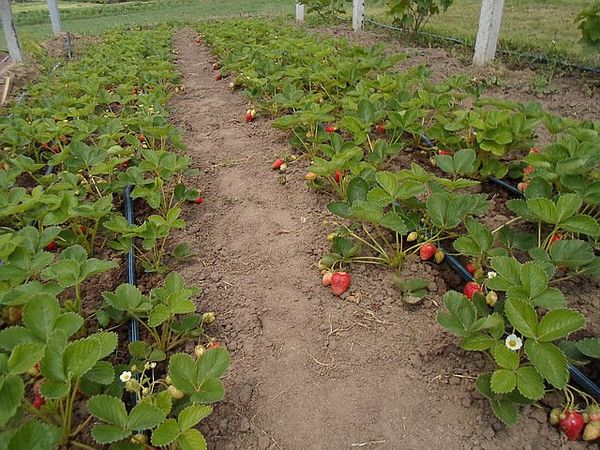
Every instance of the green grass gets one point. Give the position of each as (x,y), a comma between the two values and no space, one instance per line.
(36,6)
(528,25)
(101,19)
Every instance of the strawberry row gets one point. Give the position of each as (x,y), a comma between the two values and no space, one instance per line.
(101,123)
(362,126)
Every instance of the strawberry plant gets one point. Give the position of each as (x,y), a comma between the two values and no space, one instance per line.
(157,313)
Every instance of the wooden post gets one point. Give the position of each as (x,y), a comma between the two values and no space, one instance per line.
(10,35)
(489,30)
(54,16)
(358,14)
(299,12)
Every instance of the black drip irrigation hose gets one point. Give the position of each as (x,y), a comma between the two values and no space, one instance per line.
(576,375)
(130,269)
(532,57)
(68,44)
(129,215)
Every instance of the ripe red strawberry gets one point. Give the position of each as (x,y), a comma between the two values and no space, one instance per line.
(277,164)
(218,77)
(38,402)
(198,200)
(330,129)
(427,251)
(529,169)
(340,282)
(444,152)
(327,278)
(248,117)
(572,424)
(213,344)
(83,229)
(470,268)
(470,289)
(555,238)
(51,246)
(337,176)
(380,128)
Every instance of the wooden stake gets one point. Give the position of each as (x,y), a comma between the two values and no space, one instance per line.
(10,35)
(7,84)
(488,32)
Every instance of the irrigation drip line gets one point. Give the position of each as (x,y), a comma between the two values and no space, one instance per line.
(577,375)
(130,270)
(68,44)
(533,57)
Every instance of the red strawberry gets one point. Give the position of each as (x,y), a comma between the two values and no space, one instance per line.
(213,344)
(444,152)
(218,77)
(38,402)
(555,238)
(198,200)
(380,128)
(571,423)
(330,129)
(470,289)
(470,268)
(51,246)
(248,117)
(340,281)
(277,164)
(337,176)
(327,278)
(427,251)
(83,229)
(529,169)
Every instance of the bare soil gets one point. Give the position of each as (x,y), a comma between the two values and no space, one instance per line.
(310,370)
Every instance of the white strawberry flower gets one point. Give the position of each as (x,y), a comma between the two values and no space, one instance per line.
(125,376)
(492,274)
(513,342)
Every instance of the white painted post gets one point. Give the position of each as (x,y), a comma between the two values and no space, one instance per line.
(299,12)
(54,16)
(10,35)
(358,14)
(489,30)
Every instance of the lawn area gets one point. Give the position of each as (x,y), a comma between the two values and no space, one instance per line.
(103,17)
(36,6)
(532,25)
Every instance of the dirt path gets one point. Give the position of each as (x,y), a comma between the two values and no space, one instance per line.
(310,371)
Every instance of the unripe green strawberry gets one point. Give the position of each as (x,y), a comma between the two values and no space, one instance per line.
(491,298)
(208,317)
(591,432)
(412,236)
(175,393)
(555,416)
